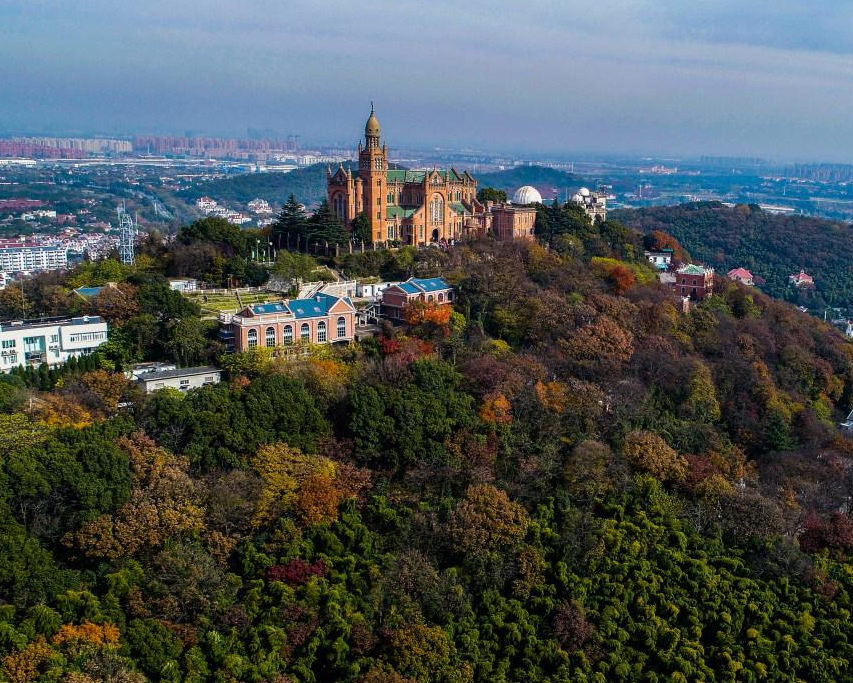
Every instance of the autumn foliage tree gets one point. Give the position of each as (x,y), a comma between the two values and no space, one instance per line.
(163,501)
(429,318)
(486,519)
(650,453)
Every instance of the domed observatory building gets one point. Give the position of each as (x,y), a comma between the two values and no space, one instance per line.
(517,220)
(525,195)
(593,203)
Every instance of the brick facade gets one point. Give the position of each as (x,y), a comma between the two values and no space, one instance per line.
(325,319)
(411,207)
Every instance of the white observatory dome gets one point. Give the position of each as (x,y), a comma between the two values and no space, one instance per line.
(584,192)
(527,195)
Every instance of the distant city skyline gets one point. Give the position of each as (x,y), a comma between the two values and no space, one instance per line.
(635,77)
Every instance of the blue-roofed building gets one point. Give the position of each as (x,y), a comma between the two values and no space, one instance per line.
(322,319)
(431,290)
(88,292)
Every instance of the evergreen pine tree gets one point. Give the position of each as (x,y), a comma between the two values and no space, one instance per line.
(290,224)
(360,231)
(325,227)
(44,377)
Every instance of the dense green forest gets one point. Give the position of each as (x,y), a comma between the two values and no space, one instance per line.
(566,478)
(771,246)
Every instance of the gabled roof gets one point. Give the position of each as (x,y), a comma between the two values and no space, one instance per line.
(739,272)
(459,208)
(433,284)
(397,176)
(452,175)
(318,306)
(276,307)
(692,269)
(409,288)
(393,211)
(88,292)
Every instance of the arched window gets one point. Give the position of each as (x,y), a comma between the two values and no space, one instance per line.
(321,331)
(430,297)
(288,335)
(270,337)
(342,327)
(252,338)
(304,332)
(436,210)
(339,205)
(441,297)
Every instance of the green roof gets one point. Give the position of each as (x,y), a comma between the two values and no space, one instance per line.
(397,176)
(405,176)
(459,208)
(393,211)
(692,269)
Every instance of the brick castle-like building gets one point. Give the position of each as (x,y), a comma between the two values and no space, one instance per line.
(417,207)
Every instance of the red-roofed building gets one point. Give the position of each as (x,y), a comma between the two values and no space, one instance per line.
(741,275)
(801,279)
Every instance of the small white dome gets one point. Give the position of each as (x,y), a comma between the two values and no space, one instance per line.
(527,195)
(577,198)
(584,192)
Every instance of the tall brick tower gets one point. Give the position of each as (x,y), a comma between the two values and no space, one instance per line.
(373,171)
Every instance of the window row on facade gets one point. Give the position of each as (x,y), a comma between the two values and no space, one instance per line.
(271,340)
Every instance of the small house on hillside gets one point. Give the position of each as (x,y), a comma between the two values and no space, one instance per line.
(432,290)
(694,281)
(660,259)
(801,279)
(741,275)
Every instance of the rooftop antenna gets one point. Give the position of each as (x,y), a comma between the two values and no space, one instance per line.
(127,235)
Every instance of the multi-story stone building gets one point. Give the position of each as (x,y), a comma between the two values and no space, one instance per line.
(512,222)
(413,207)
(694,281)
(54,341)
(324,319)
(419,206)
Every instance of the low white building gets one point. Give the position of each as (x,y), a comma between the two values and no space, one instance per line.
(183,284)
(183,379)
(659,259)
(33,342)
(371,290)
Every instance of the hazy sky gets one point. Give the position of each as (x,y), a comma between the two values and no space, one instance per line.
(748,77)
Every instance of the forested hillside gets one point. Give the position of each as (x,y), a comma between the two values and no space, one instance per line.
(770,246)
(565,479)
(307,184)
(538,176)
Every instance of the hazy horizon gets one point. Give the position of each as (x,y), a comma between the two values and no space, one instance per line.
(635,77)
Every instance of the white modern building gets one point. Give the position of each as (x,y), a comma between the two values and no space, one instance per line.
(160,376)
(33,342)
(29,258)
